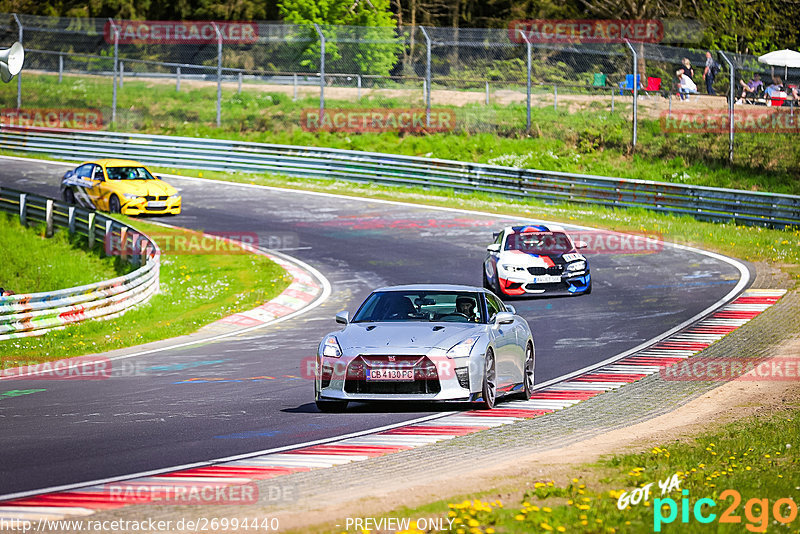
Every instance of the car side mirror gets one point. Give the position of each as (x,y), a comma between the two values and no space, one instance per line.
(511,309)
(504,318)
(343,317)
(494,248)
(581,244)
(159,178)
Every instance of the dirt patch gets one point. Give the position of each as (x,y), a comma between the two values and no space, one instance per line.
(732,401)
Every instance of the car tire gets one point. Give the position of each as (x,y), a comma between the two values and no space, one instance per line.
(528,372)
(489,387)
(331,406)
(589,289)
(486,283)
(113,204)
(69,196)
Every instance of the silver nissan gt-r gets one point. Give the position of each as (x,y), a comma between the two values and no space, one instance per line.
(426,343)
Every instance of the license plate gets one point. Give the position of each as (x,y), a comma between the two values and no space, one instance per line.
(157,204)
(391,375)
(546,279)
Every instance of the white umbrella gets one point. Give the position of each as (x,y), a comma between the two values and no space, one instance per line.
(782,58)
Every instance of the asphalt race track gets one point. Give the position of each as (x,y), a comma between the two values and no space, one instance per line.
(161,410)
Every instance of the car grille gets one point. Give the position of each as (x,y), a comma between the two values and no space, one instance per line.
(151,197)
(554,270)
(426,379)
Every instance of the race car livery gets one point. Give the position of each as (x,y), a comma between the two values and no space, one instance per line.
(535,260)
(119,186)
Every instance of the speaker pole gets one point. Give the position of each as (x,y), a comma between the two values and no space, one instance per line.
(19,75)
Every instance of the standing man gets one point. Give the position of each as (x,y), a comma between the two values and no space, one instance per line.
(709,73)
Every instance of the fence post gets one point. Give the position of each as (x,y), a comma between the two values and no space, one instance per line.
(60,67)
(121,74)
(427,76)
(48,218)
(239,90)
(612,100)
(294,83)
(731,101)
(116,60)
(528,86)
(359,86)
(487,92)
(555,98)
(635,92)
(23,209)
(219,74)
(19,75)
(321,71)
(177,79)
(107,239)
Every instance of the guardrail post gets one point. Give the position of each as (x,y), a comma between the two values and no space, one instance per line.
(731,101)
(116,60)
(427,76)
(107,238)
(219,74)
(123,247)
(71,219)
(635,92)
(19,75)
(23,209)
(321,71)
(177,79)
(48,218)
(90,230)
(60,67)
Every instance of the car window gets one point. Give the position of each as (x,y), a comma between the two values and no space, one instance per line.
(421,305)
(493,305)
(539,242)
(128,173)
(84,171)
(97,172)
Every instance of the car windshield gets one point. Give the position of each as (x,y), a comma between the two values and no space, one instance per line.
(429,306)
(128,173)
(539,242)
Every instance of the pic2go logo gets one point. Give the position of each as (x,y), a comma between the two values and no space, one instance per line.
(756,511)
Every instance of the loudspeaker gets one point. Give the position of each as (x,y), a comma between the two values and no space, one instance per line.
(11,60)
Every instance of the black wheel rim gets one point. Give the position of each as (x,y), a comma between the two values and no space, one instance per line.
(529,368)
(491,377)
(114,205)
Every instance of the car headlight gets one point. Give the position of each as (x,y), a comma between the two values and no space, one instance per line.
(176,196)
(577,266)
(462,348)
(331,348)
(130,196)
(513,268)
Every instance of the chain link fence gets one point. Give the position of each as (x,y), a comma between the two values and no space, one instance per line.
(260,76)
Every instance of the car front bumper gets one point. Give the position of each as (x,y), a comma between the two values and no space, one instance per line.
(570,284)
(141,206)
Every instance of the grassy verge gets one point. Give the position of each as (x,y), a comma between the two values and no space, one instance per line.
(194,290)
(591,140)
(777,247)
(32,263)
(754,457)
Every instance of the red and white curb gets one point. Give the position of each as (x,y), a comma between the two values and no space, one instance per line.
(188,482)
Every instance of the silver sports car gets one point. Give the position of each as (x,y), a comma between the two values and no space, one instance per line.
(426,343)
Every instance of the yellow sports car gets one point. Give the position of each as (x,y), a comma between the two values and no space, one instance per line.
(119,186)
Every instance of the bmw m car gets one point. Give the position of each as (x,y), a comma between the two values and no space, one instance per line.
(426,343)
(536,260)
(119,186)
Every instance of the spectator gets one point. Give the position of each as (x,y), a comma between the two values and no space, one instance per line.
(775,88)
(709,73)
(685,85)
(750,87)
(687,68)
(6,292)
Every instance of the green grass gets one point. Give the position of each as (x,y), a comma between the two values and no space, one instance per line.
(757,457)
(194,290)
(32,263)
(591,140)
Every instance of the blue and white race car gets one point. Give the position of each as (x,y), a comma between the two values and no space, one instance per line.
(536,260)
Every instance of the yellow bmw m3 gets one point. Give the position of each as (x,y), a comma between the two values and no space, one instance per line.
(119,186)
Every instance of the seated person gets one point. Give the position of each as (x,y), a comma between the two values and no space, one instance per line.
(685,85)
(466,306)
(750,88)
(775,88)
(397,308)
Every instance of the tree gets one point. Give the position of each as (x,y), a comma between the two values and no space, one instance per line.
(363,29)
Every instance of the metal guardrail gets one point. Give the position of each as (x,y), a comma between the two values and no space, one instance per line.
(707,203)
(36,313)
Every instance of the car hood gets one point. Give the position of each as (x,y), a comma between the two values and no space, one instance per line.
(143,187)
(524,259)
(410,336)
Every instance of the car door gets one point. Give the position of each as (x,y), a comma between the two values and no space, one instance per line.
(98,192)
(505,343)
(82,185)
(493,253)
